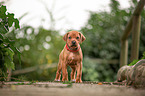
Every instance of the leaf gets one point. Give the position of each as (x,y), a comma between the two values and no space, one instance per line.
(19,53)
(15,49)
(143,57)
(3,9)
(6,40)
(11,53)
(8,58)
(1,36)
(17,23)
(9,64)
(10,19)
(100,83)
(11,42)
(2,29)
(2,12)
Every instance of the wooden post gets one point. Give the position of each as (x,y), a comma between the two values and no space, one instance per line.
(136,12)
(124,53)
(132,23)
(135,37)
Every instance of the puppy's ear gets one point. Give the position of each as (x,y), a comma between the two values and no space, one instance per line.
(65,37)
(82,37)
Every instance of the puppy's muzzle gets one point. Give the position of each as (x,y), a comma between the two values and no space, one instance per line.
(73,42)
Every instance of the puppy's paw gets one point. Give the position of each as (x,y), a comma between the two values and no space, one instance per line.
(64,79)
(78,81)
(73,80)
(57,80)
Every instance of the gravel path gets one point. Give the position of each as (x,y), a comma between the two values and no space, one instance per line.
(60,89)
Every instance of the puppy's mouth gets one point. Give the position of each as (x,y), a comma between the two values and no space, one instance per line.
(73,45)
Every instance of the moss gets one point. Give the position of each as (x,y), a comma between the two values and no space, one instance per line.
(133,62)
(143,57)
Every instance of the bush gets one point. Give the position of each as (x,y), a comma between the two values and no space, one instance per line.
(7,48)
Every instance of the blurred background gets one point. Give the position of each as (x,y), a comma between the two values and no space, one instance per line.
(44,22)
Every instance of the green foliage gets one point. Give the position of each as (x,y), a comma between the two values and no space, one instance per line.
(143,57)
(133,62)
(103,32)
(114,5)
(8,56)
(93,71)
(38,46)
(7,20)
(67,82)
(24,83)
(89,70)
(7,48)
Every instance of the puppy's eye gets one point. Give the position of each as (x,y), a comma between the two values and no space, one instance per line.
(77,38)
(69,37)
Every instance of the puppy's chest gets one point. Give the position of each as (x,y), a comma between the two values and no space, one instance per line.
(72,59)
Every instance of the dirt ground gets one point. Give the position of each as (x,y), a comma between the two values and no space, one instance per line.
(69,89)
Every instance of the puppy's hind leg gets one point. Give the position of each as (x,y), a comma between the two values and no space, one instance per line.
(58,73)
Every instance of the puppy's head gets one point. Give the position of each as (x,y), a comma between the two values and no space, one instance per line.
(73,38)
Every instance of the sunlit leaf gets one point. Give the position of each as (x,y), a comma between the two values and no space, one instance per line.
(100,83)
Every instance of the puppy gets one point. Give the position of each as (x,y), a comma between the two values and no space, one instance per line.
(71,55)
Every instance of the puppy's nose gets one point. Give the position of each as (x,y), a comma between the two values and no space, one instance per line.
(73,42)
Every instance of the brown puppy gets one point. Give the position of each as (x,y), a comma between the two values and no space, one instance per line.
(71,56)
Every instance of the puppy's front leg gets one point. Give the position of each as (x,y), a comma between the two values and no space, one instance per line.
(73,73)
(79,73)
(64,72)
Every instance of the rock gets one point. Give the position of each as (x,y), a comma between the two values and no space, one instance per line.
(122,73)
(139,77)
(135,75)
